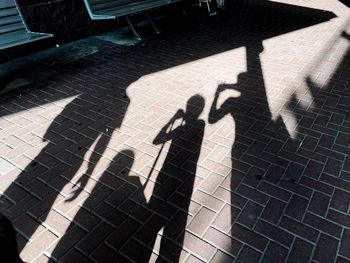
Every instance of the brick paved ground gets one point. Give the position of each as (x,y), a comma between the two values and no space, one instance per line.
(225,140)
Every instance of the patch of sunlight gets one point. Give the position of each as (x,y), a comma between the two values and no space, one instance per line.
(58,105)
(230,63)
(285,79)
(328,59)
(63,203)
(5,166)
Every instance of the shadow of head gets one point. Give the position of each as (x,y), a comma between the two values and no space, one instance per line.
(195,106)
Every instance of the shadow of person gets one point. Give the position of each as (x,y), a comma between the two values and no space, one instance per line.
(176,175)
(257,139)
(83,122)
(8,242)
(79,134)
(250,110)
(98,213)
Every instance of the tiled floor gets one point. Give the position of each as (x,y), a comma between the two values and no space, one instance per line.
(224,140)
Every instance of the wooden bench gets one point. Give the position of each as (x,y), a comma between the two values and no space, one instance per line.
(112,9)
(13,30)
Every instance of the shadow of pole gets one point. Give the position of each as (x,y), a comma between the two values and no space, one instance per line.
(94,115)
(176,175)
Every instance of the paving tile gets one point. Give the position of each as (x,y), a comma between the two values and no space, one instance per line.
(268,180)
(223,241)
(344,244)
(300,251)
(248,254)
(5,166)
(326,248)
(275,253)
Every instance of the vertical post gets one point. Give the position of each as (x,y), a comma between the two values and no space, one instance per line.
(133,29)
(150,20)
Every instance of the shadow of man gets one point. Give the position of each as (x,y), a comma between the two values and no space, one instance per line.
(124,186)
(176,175)
(84,127)
(257,141)
(8,242)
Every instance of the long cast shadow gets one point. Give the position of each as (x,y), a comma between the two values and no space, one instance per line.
(177,174)
(255,135)
(99,213)
(83,123)
(265,156)
(84,126)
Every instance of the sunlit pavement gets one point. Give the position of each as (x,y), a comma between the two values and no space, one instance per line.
(227,140)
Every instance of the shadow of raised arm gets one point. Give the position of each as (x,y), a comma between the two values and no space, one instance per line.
(167,133)
(216,113)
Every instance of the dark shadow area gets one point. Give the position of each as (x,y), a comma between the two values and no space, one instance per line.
(90,117)
(257,162)
(164,210)
(196,41)
(100,80)
(278,182)
(345,2)
(332,103)
(177,174)
(8,242)
(115,186)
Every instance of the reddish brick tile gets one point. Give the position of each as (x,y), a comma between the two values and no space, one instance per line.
(223,241)
(275,253)
(317,185)
(314,169)
(340,200)
(274,233)
(296,188)
(31,253)
(249,237)
(123,233)
(193,259)
(221,257)
(56,222)
(297,207)
(273,210)
(75,255)
(250,214)
(94,238)
(300,251)
(253,194)
(211,183)
(109,214)
(319,204)
(207,200)
(326,249)
(322,224)
(131,246)
(201,221)
(149,230)
(106,254)
(274,191)
(299,229)
(344,244)
(230,197)
(248,254)
(338,218)
(62,246)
